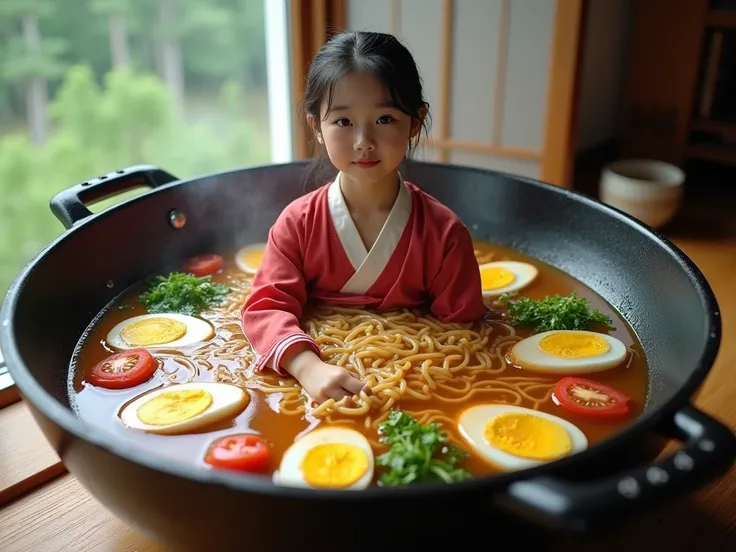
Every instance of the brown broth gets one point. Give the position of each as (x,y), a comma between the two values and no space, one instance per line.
(100,407)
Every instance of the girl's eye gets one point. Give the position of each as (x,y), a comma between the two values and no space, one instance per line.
(342,122)
(384,119)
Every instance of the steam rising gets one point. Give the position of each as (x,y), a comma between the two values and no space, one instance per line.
(228,210)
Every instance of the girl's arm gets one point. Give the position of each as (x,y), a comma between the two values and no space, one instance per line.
(456,292)
(270,315)
(270,319)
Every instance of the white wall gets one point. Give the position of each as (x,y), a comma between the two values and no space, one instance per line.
(603,71)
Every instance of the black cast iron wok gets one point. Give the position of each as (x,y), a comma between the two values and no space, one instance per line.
(656,288)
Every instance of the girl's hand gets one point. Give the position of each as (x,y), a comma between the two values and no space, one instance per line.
(320,380)
(326,381)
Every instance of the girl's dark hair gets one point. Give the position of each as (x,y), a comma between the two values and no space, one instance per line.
(380,54)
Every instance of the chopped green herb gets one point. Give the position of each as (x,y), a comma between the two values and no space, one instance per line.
(182,293)
(554,312)
(418,453)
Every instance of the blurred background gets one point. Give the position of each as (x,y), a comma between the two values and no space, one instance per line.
(550,89)
(90,86)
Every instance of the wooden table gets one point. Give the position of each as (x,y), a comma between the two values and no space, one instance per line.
(44,509)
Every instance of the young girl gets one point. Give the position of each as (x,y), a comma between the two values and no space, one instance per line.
(368,238)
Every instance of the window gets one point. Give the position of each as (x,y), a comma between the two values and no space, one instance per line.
(192,86)
(91,86)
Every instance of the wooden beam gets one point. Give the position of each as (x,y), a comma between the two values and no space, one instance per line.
(502,54)
(445,75)
(723,19)
(449,144)
(395,19)
(662,78)
(562,91)
(312,23)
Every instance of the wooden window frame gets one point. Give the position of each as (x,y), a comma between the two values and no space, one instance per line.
(8,390)
(311,24)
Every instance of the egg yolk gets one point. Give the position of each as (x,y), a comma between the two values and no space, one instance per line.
(334,465)
(573,345)
(153,331)
(496,277)
(528,436)
(253,257)
(174,406)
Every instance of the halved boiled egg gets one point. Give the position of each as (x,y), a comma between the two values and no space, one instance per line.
(328,458)
(249,257)
(568,352)
(184,407)
(515,438)
(500,277)
(159,330)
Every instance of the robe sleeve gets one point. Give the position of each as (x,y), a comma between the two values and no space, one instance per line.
(270,315)
(456,293)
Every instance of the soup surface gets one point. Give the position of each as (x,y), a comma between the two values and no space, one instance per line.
(415,365)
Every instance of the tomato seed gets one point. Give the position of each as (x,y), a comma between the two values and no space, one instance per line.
(588,396)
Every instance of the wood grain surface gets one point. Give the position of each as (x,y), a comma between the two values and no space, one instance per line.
(26,459)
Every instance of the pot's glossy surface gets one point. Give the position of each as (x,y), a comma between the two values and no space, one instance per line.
(656,288)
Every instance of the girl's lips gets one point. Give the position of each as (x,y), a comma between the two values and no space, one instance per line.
(366,163)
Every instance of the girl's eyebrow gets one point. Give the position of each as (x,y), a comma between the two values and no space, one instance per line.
(346,107)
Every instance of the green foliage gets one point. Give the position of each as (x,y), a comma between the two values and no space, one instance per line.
(18,64)
(418,453)
(99,128)
(554,312)
(109,7)
(19,8)
(182,293)
(101,120)
(221,40)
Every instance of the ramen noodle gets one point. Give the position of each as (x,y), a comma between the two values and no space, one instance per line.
(411,361)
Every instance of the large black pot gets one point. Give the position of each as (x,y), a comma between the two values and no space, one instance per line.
(655,287)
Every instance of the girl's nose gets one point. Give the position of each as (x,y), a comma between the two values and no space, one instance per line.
(364,142)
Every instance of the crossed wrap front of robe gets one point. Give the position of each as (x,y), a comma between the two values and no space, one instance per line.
(423,256)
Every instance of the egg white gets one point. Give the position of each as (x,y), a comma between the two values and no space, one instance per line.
(290,472)
(524,274)
(472,423)
(197,330)
(228,401)
(529,356)
(242,265)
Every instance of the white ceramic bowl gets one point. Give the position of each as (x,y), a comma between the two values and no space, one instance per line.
(647,189)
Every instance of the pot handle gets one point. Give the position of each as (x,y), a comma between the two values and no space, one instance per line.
(708,450)
(69,206)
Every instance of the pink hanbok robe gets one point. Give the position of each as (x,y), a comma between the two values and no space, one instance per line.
(423,256)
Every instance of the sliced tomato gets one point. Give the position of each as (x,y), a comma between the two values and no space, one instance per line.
(124,369)
(202,265)
(239,452)
(590,398)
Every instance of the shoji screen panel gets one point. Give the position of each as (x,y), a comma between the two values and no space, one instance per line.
(485,66)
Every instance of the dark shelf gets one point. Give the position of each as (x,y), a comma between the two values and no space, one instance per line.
(726,130)
(723,19)
(715,153)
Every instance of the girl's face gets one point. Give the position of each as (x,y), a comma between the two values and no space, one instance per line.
(366,137)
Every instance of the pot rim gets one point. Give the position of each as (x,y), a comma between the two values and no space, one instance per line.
(65,419)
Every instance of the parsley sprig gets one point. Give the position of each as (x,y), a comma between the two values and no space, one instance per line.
(182,293)
(418,453)
(554,312)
